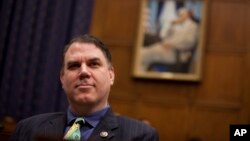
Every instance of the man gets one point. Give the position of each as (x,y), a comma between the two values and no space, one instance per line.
(87,75)
(181,37)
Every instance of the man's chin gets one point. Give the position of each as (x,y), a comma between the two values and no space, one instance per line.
(84,100)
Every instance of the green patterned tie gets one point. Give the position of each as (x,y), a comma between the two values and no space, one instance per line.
(74,131)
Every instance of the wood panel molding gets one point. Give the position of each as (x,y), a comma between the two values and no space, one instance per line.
(218,105)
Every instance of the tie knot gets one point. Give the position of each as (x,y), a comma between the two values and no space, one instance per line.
(74,132)
(80,121)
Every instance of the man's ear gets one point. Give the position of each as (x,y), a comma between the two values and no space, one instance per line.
(61,75)
(111,75)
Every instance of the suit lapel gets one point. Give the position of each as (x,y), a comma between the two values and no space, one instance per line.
(55,127)
(105,129)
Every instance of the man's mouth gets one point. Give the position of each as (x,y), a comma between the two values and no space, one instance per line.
(84,85)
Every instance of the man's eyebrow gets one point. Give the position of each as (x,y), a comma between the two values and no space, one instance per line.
(71,63)
(95,59)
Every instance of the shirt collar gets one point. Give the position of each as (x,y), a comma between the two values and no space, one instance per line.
(92,119)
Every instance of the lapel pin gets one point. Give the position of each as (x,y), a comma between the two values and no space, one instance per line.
(104,134)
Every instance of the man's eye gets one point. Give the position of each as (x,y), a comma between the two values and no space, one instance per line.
(94,64)
(73,66)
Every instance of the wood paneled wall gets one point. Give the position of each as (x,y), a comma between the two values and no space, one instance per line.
(183,110)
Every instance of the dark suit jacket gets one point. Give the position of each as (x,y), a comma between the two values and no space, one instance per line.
(119,128)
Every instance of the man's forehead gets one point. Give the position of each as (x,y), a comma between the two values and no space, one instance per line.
(87,58)
(85,51)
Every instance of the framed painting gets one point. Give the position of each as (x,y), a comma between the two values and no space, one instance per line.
(170,40)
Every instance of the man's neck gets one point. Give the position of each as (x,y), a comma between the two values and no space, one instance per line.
(84,110)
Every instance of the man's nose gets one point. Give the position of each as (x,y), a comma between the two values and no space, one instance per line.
(84,71)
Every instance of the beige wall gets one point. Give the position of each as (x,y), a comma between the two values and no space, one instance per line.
(182,110)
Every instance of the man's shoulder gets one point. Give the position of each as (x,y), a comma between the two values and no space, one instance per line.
(30,127)
(133,123)
(122,118)
(44,117)
(126,121)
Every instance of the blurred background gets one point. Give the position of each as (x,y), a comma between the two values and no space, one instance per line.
(33,34)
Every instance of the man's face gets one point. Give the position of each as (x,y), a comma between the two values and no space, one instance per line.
(183,14)
(86,76)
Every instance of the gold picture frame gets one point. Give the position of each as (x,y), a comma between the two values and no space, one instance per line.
(170,40)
